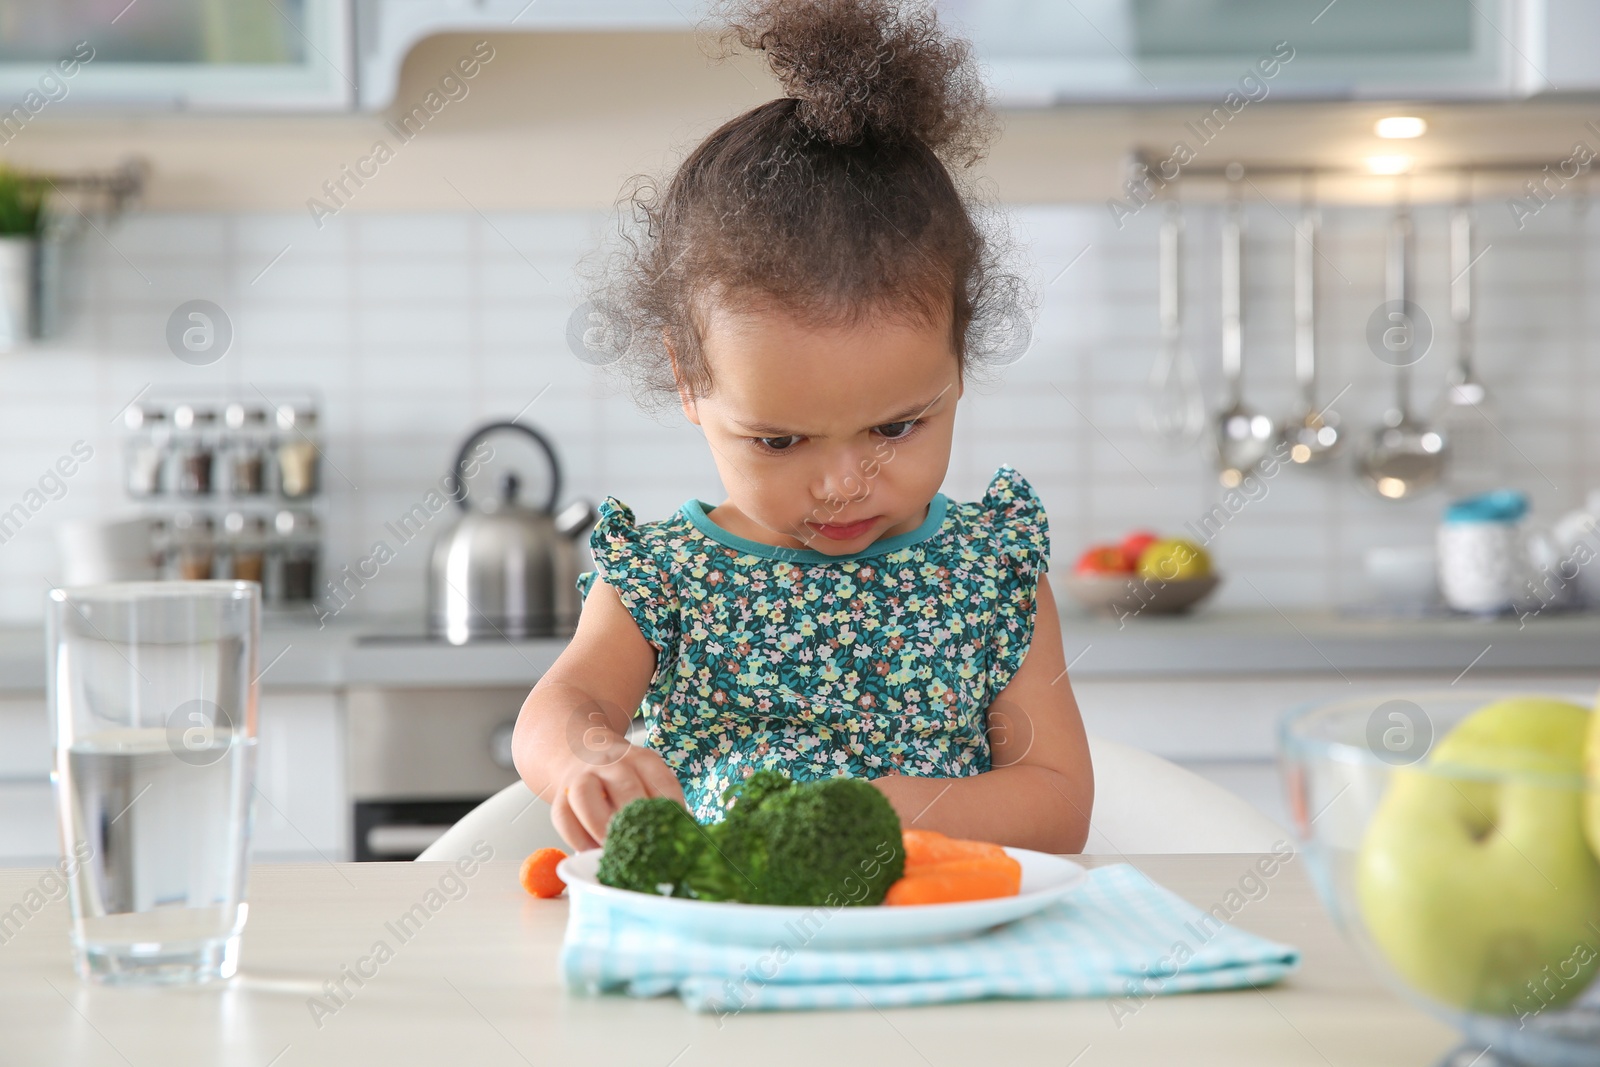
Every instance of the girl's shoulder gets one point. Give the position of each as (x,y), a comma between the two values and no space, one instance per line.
(1010,513)
(618,529)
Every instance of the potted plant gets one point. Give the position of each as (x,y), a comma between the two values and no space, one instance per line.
(22,218)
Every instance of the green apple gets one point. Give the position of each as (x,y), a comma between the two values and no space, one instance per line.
(1474,877)
(1591,763)
(1174,560)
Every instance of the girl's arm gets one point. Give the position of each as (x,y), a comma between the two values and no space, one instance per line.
(1041,789)
(570,744)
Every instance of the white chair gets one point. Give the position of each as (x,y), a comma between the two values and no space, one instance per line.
(1142,803)
(513,823)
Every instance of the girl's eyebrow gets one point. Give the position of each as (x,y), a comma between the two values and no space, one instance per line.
(911,412)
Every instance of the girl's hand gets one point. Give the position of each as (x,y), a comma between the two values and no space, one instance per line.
(594,789)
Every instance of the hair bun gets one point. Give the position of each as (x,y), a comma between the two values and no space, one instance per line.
(869,66)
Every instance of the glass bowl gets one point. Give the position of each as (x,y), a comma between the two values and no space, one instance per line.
(1461,864)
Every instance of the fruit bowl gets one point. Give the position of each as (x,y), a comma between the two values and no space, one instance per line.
(1130,594)
(1463,862)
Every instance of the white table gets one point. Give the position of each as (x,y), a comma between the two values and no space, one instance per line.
(476,983)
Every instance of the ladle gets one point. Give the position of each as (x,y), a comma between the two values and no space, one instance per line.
(1465,415)
(1312,435)
(1173,410)
(1243,435)
(1403,456)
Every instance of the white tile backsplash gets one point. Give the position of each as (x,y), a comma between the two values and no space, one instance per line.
(414,328)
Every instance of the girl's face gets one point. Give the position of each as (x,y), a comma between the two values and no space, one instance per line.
(826,438)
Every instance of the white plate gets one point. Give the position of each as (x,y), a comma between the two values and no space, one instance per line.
(1045,880)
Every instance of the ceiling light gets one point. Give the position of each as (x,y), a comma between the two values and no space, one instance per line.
(1388,164)
(1400,127)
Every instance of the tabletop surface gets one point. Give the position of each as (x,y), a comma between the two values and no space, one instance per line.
(478,984)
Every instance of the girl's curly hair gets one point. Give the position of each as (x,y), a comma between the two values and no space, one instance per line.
(831,203)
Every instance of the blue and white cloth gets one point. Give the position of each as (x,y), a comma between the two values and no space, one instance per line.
(1116,935)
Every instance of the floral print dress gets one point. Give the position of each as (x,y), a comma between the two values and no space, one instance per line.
(883,661)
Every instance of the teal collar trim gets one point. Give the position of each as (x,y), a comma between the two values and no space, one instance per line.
(697,513)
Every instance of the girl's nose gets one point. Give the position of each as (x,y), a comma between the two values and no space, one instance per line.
(842,478)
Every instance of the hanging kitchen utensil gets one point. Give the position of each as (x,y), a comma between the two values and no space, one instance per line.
(1403,456)
(506,570)
(1242,435)
(1465,414)
(1173,410)
(1312,435)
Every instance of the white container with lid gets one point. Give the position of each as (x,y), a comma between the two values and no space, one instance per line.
(1480,551)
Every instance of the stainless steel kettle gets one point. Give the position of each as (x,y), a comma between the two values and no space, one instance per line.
(506,570)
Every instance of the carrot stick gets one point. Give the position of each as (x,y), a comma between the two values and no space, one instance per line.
(930,846)
(538,875)
(952,886)
(1001,864)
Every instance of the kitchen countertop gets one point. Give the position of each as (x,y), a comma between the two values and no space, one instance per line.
(479,984)
(297,654)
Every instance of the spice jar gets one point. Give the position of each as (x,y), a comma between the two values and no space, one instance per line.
(193,545)
(147,450)
(246,539)
(297,451)
(193,451)
(246,462)
(294,558)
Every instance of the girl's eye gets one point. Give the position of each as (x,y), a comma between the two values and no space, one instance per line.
(896,430)
(777,444)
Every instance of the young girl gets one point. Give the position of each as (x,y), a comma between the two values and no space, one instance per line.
(813,290)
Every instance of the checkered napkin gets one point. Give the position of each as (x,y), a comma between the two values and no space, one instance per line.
(1116,935)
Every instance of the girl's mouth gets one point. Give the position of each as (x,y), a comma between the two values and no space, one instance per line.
(837,532)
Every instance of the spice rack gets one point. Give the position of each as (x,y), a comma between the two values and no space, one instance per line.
(235,486)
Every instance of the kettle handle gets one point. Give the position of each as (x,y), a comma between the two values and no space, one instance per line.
(485,430)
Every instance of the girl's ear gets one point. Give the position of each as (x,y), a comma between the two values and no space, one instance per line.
(685,397)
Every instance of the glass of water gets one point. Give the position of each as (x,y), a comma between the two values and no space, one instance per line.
(152,695)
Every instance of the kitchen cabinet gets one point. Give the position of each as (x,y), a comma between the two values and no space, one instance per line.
(387,29)
(27,808)
(1230,53)
(1225,728)
(262,55)
(175,55)
(301,809)
(302,814)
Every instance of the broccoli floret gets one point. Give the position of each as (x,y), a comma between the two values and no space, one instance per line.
(835,841)
(652,842)
(830,842)
(722,871)
(740,800)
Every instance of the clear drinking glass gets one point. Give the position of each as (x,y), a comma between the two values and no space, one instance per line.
(152,695)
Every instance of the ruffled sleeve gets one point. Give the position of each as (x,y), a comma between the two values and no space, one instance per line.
(1022,536)
(626,563)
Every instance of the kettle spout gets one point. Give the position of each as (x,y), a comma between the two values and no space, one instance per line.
(572,520)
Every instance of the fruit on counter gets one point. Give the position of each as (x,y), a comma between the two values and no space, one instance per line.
(1591,763)
(1103,559)
(1174,560)
(1147,555)
(1133,547)
(834,841)
(946,870)
(1475,877)
(538,875)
